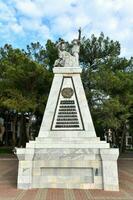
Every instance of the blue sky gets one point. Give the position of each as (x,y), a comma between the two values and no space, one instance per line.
(26,21)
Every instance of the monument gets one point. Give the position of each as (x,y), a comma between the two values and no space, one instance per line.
(67,153)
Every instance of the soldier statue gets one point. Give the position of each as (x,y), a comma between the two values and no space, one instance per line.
(67,59)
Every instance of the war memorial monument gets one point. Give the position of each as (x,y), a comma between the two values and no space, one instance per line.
(67,153)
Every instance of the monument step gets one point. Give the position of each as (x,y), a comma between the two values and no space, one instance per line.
(67,139)
(64,133)
(65,145)
(67,142)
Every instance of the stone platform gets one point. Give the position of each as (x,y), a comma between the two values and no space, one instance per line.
(76,162)
(8,182)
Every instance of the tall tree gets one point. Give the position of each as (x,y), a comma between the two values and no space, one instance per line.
(108,82)
(44,56)
(24,83)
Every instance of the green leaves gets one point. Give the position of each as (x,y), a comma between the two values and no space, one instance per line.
(24,82)
(16,101)
(96,49)
(108,82)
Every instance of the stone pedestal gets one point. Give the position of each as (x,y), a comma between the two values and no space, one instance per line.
(67,153)
(110,170)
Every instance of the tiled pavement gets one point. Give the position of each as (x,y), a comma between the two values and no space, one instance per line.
(8,190)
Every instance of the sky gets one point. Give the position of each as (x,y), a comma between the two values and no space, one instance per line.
(26,21)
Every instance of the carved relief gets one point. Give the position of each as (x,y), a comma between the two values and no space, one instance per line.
(67,92)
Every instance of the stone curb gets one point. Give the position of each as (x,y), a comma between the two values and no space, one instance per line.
(8,159)
(17,159)
(125,158)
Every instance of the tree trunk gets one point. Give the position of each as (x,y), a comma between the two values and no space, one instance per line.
(123,139)
(2,130)
(28,129)
(116,139)
(14,131)
(23,137)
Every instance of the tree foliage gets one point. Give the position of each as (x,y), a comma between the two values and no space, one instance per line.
(24,84)
(26,76)
(108,82)
(23,81)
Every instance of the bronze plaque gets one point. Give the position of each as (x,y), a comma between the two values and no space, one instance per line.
(67,92)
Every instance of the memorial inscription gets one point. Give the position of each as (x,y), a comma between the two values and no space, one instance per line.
(67,114)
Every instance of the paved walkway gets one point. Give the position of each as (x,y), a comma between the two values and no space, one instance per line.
(8,191)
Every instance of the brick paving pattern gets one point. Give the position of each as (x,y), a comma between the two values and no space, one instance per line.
(8,190)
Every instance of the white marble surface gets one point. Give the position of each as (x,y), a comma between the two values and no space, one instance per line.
(52,103)
(70,153)
(67,70)
(110,170)
(84,108)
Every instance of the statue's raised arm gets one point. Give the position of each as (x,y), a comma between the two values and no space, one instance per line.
(79,37)
(68,59)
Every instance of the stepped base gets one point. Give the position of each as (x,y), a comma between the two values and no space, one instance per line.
(77,166)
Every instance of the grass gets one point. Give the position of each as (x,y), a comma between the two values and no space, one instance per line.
(6,150)
(129,150)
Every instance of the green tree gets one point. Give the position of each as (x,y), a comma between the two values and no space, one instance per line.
(44,56)
(24,84)
(108,82)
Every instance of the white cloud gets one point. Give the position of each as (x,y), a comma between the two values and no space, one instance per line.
(113,23)
(61,24)
(16,28)
(6,13)
(28,8)
(36,28)
(82,20)
(43,19)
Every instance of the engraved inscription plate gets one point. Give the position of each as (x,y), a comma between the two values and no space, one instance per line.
(67,114)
